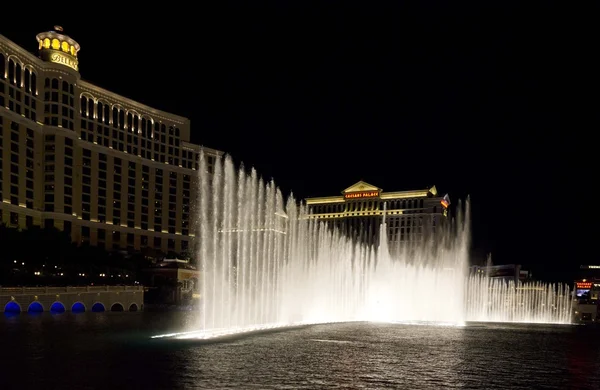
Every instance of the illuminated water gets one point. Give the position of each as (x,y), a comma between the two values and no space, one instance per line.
(265,264)
(115,351)
(491,299)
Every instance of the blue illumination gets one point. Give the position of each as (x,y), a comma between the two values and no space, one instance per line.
(78,307)
(57,307)
(12,307)
(35,307)
(98,307)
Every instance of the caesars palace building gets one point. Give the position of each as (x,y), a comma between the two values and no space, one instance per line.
(358,212)
(107,170)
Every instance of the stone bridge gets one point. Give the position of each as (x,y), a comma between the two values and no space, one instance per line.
(75,299)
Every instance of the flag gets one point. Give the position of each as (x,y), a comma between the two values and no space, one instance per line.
(445,201)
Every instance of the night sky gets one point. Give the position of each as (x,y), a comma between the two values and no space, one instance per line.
(474,100)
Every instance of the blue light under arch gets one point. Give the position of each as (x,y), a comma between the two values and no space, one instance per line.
(12,307)
(57,307)
(35,307)
(78,307)
(98,307)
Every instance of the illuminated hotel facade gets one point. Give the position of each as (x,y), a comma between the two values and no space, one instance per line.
(107,170)
(410,215)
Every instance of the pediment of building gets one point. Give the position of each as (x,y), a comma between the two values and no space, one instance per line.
(360,187)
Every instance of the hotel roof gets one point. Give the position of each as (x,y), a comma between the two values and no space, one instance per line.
(362,186)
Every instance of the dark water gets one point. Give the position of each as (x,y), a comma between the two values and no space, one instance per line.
(113,350)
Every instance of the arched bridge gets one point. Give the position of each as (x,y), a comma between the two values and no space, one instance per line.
(75,299)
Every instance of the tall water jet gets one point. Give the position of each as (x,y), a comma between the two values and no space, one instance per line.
(497,300)
(264,263)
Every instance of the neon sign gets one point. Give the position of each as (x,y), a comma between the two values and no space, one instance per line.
(584,285)
(59,58)
(362,194)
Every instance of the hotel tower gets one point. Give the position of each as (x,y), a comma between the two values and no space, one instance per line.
(109,171)
(359,211)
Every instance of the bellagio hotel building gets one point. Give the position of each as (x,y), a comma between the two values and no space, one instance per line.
(107,170)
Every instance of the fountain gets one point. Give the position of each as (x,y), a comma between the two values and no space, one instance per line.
(264,265)
(497,300)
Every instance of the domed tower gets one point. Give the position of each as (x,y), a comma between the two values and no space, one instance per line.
(58,48)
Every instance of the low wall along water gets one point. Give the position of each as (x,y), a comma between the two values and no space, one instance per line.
(76,299)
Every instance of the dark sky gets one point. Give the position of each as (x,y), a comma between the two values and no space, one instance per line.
(474,100)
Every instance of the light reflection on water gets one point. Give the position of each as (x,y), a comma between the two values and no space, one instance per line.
(114,350)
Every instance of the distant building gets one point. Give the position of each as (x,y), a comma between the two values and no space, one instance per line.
(507,272)
(359,212)
(172,282)
(587,285)
(587,300)
(107,170)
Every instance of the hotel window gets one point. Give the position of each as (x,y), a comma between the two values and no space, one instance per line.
(67,227)
(68,177)
(115,118)
(21,99)
(85,234)
(121,120)
(116,239)
(14,165)
(101,196)
(158,196)
(130,240)
(185,216)
(106,117)
(145,196)
(86,179)
(172,202)
(66,103)
(131,201)
(87,119)
(117,192)
(2,68)
(29,163)
(30,93)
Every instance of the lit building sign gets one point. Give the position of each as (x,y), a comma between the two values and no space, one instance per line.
(60,58)
(361,194)
(584,285)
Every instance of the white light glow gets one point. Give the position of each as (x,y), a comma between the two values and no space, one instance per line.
(260,271)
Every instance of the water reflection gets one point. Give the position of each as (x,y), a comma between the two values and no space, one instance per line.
(115,350)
